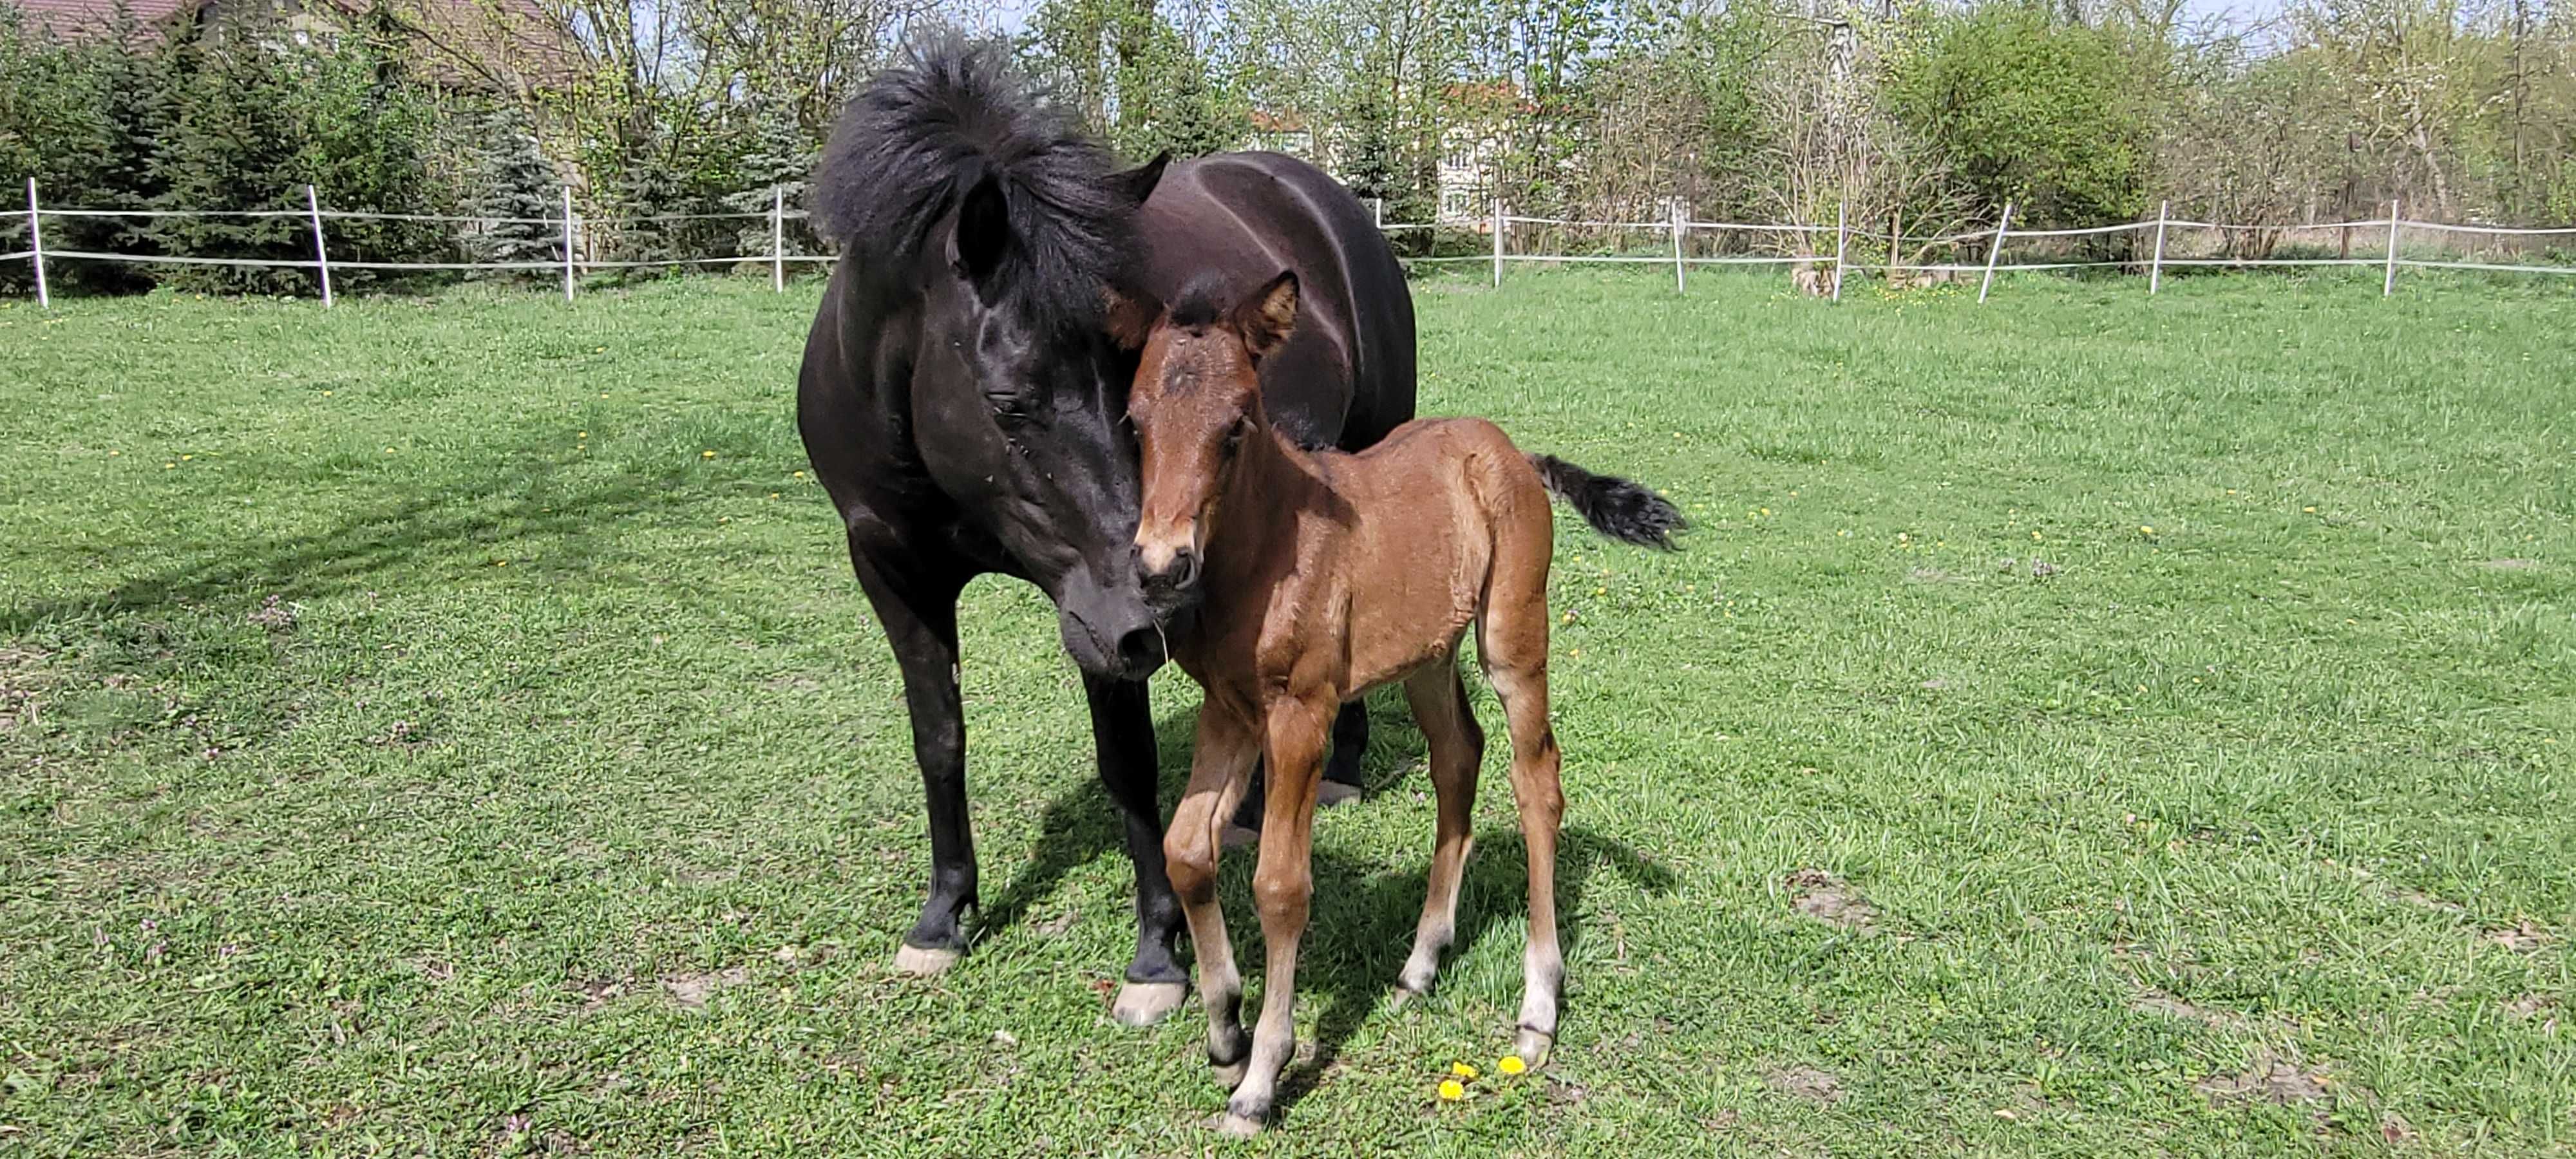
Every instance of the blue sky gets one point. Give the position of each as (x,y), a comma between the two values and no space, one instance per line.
(1014,14)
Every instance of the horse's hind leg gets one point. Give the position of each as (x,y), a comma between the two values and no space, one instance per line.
(1439,700)
(1511,639)
(1220,766)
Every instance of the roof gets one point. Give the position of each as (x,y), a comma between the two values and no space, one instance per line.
(75,19)
(1266,121)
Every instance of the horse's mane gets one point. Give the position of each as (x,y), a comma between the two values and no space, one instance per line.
(923,133)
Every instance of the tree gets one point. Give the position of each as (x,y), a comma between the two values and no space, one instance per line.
(233,149)
(775,169)
(518,193)
(2043,115)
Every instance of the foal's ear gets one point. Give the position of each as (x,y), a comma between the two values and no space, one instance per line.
(1265,318)
(1130,315)
(983,232)
(1138,183)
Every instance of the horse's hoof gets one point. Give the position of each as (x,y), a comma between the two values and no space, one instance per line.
(1238,837)
(1230,1074)
(1533,1047)
(1145,1003)
(915,962)
(1404,994)
(1333,793)
(1234,1126)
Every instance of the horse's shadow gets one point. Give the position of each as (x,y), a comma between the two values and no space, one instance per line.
(1364,912)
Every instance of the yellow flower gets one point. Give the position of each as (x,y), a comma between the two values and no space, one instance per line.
(706,454)
(800,474)
(1569,617)
(2143,529)
(2034,537)
(389,450)
(773,494)
(1511,1064)
(2309,510)
(112,452)
(1600,591)
(326,394)
(185,458)
(169,466)
(500,563)
(1463,1070)
(582,435)
(1451,1090)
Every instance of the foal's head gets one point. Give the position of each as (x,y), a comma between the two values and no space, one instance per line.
(1196,403)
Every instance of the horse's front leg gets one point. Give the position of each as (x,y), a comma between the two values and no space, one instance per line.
(1122,729)
(920,619)
(1283,886)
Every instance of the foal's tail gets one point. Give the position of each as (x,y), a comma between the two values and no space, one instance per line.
(1615,507)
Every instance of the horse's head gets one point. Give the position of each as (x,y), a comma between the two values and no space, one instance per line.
(1019,409)
(1196,402)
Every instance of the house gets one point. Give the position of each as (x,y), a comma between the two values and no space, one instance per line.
(499,46)
(1475,134)
(1288,133)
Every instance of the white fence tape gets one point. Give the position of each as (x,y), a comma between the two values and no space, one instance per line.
(1992,238)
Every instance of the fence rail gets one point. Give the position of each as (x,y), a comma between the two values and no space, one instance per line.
(1808,254)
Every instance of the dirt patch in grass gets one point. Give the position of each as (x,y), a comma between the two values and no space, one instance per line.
(2270,1079)
(2154,1001)
(693,990)
(2417,897)
(2522,937)
(22,676)
(1827,898)
(2530,1006)
(274,614)
(1805,1082)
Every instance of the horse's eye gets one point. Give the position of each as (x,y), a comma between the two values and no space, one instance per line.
(1009,408)
(1234,435)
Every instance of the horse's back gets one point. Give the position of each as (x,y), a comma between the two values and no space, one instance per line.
(1346,375)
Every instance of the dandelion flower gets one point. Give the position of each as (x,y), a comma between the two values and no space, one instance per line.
(800,474)
(1511,1064)
(2143,529)
(1569,617)
(2034,537)
(773,494)
(112,452)
(1463,1070)
(169,466)
(326,394)
(1600,591)
(389,450)
(185,458)
(1451,1090)
(2309,510)
(706,454)
(582,435)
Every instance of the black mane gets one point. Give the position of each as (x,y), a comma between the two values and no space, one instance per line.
(921,135)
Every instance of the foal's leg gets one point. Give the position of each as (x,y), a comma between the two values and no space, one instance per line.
(1342,774)
(1511,640)
(1122,729)
(1283,887)
(1439,700)
(1220,765)
(920,618)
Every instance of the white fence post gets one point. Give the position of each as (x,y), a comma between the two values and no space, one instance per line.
(321,255)
(778,239)
(568,242)
(1498,243)
(1842,243)
(36,243)
(1681,284)
(1992,252)
(1377,213)
(2388,281)
(2156,265)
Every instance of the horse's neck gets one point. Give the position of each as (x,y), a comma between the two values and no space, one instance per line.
(1275,484)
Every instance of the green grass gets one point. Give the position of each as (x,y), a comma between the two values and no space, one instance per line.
(549,732)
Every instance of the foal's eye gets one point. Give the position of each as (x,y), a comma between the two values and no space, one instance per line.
(1234,435)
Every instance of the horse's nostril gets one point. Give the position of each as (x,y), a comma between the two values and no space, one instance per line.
(1142,649)
(1185,568)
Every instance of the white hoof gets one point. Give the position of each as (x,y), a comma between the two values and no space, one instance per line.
(1332,793)
(1145,1003)
(1532,1047)
(1234,1126)
(1230,1075)
(915,962)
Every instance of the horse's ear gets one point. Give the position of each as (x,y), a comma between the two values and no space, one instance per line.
(983,232)
(1265,318)
(1131,317)
(1139,182)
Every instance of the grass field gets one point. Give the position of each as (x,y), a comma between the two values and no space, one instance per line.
(449,726)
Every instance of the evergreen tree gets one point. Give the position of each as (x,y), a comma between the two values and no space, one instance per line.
(651,188)
(776,166)
(231,149)
(366,136)
(513,181)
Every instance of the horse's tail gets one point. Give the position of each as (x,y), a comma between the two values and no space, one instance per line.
(1615,507)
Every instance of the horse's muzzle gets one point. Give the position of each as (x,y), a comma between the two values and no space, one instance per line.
(1110,631)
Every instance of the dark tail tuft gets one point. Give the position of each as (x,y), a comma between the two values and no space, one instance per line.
(1614,506)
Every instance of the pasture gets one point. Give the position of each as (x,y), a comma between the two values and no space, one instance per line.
(2081,724)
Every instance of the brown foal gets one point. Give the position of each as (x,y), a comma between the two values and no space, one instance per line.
(1322,575)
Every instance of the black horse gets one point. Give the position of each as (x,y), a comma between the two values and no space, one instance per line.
(965,409)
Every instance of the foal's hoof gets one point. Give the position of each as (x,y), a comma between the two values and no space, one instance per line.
(1396,999)
(1145,1003)
(915,962)
(1234,1126)
(1238,837)
(1230,1074)
(1332,793)
(1532,1047)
